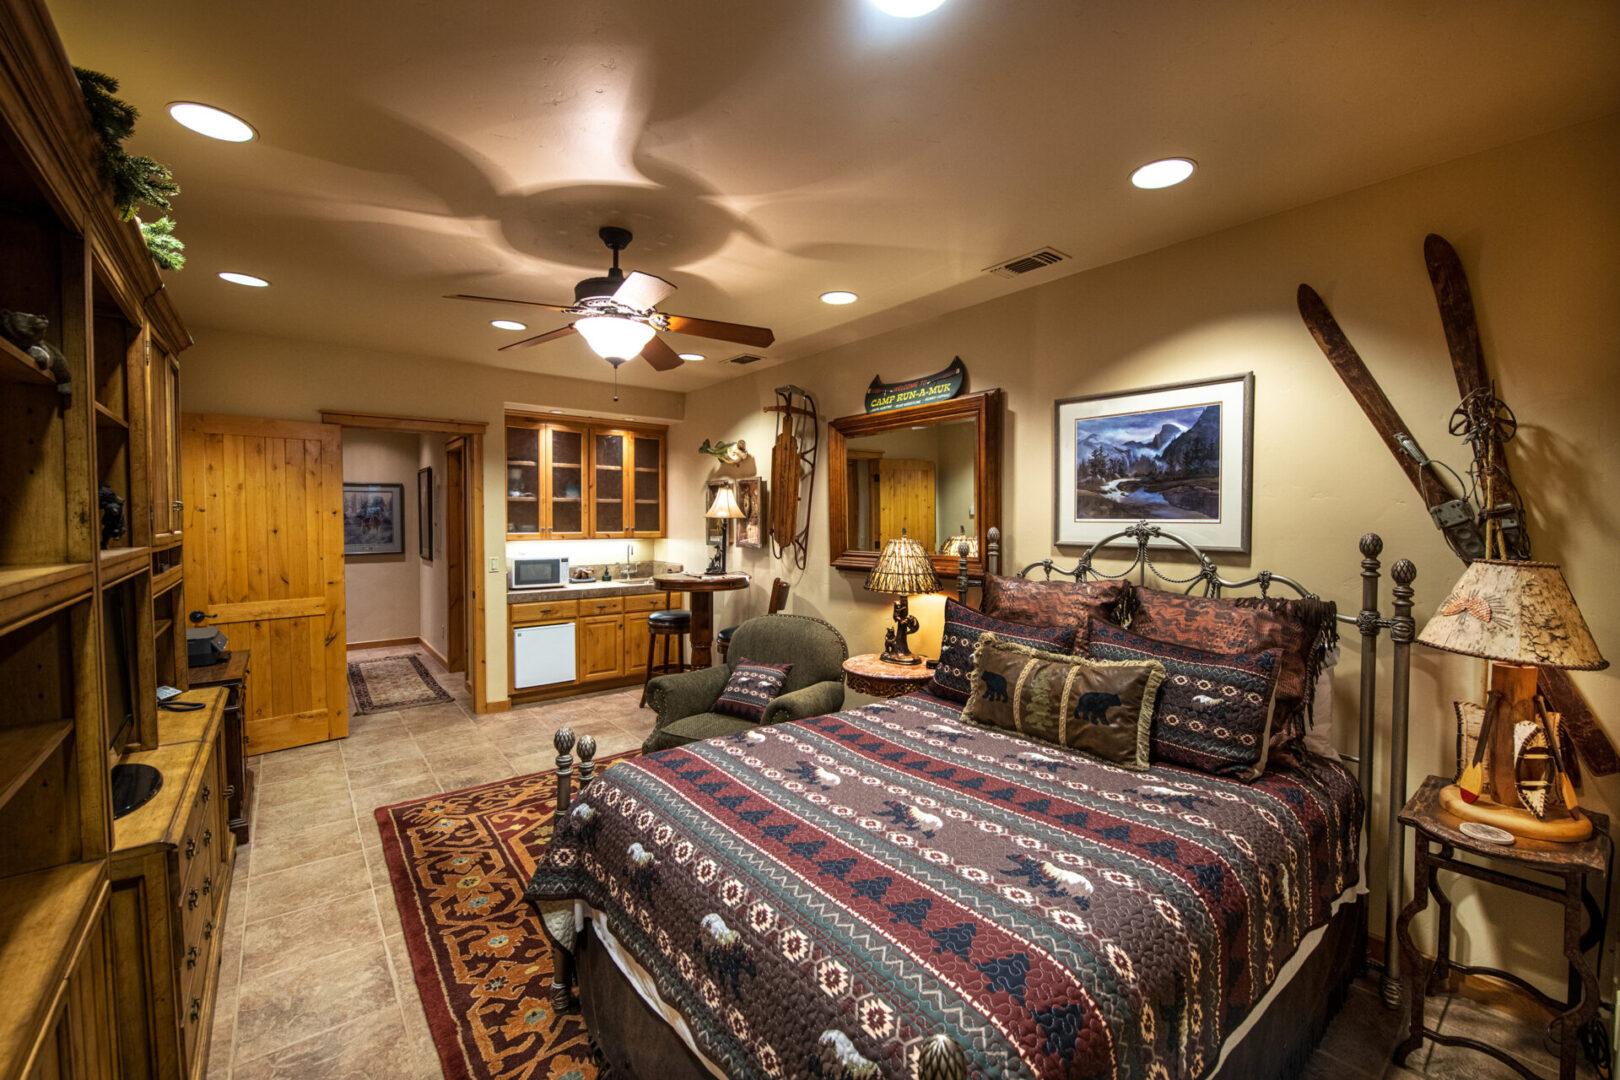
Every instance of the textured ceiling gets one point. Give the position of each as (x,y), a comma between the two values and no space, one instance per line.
(765,152)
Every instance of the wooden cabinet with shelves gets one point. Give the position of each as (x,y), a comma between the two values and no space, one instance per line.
(568,480)
(610,638)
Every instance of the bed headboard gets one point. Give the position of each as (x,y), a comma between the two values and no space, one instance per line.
(1369,624)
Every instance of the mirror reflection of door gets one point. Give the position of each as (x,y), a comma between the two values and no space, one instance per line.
(905,498)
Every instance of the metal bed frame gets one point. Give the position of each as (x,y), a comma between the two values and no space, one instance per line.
(940,1057)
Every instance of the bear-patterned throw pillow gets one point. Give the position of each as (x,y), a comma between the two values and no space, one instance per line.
(963,626)
(1215,709)
(1099,708)
(752,686)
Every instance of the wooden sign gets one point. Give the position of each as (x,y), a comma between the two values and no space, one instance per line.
(940,386)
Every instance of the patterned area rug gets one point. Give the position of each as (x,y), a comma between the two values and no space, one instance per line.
(458,863)
(393,682)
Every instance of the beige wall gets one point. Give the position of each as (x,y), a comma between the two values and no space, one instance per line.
(1538,227)
(433,580)
(381,592)
(250,375)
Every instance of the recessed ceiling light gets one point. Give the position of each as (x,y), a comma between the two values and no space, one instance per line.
(839,296)
(691,356)
(243,279)
(1163,174)
(907,9)
(556,410)
(212,122)
(506,324)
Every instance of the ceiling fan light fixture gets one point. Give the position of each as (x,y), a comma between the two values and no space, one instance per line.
(613,338)
(507,324)
(1164,173)
(839,296)
(212,122)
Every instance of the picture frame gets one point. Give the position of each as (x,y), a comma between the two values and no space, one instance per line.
(1179,455)
(751,499)
(424,513)
(373,519)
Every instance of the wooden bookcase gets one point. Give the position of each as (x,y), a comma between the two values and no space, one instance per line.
(64,255)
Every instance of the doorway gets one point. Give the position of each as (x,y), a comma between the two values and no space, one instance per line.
(446,494)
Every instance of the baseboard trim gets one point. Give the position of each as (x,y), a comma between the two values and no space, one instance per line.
(496,706)
(385,643)
(435,653)
(575,689)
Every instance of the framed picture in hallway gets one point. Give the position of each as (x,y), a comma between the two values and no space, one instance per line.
(424,513)
(1177,455)
(373,519)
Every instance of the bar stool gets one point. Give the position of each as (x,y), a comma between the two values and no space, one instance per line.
(779,592)
(672,625)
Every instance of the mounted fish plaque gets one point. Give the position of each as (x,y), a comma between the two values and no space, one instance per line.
(940,386)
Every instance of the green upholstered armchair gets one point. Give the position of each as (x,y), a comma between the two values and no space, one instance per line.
(815,685)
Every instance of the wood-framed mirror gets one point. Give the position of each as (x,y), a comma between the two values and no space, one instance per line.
(932,470)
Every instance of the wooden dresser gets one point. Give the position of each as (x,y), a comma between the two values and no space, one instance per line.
(171,874)
(233,676)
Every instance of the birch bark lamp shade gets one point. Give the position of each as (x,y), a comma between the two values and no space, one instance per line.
(1521,617)
(903,568)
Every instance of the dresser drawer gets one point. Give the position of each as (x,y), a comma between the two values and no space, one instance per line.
(634,605)
(544,611)
(607,605)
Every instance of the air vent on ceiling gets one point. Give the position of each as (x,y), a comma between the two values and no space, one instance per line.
(1035,260)
(743,358)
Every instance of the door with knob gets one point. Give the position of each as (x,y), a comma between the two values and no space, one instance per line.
(264,563)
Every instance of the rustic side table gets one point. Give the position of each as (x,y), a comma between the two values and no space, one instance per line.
(1437,842)
(869,674)
(232,674)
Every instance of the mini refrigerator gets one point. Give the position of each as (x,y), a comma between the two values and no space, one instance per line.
(542,655)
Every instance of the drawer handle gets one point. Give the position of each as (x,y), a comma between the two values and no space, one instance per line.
(191,957)
(191,846)
(208,836)
(208,885)
(230,790)
(205,794)
(208,930)
(191,900)
(196,1009)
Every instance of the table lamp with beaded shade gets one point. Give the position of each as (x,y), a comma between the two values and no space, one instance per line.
(903,567)
(1521,617)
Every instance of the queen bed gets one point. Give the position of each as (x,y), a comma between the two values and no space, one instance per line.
(892,891)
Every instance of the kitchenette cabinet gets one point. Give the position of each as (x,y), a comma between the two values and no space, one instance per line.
(582,477)
(606,641)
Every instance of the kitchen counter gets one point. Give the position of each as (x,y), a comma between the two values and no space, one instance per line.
(582,591)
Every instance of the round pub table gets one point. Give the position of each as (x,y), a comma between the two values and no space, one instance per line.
(702,587)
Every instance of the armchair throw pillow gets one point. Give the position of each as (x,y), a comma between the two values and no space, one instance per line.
(752,686)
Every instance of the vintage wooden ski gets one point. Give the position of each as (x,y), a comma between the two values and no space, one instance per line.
(1501,503)
(1451,515)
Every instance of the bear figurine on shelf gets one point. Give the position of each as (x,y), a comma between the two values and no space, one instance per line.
(113,523)
(27,332)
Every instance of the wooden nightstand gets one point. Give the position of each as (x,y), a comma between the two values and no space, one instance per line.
(1437,842)
(868,674)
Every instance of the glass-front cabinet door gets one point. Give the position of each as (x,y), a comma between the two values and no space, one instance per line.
(610,468)
(523,506)
(566,482)
(646,485)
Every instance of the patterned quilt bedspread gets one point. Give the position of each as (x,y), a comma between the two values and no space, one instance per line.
(817,898)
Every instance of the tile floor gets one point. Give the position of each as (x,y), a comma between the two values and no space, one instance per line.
(316,983)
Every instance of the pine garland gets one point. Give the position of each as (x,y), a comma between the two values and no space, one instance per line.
(136,181)
(167,250)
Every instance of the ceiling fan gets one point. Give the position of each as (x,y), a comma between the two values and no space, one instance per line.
(616,316)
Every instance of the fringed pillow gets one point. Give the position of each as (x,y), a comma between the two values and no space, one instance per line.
(752,686)
(963,626)
(1214,711)
(1097,707)
(1056,603)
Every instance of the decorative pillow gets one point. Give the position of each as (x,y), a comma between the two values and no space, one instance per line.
(963,626)
(752,686)
(1319,739)
(1214,709)
(1054,603)
(1103,709)
(1301,630)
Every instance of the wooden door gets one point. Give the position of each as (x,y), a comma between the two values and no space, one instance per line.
(646,515)
(455,554)
(611,481)
(906,501)
(264,563)
(564,516)
(525,498)
(637,633)
(600,654)
(163,444)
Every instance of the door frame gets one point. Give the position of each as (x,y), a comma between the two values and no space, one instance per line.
(473,431)
(455,555)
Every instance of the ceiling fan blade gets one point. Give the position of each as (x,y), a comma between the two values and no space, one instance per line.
(756,336)
(540,339)
(499,300)
(643,292)
(660,355)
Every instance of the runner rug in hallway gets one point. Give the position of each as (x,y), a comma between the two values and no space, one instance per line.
(458,864)
(393,682)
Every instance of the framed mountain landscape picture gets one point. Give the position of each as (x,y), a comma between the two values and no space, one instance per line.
(1178,456)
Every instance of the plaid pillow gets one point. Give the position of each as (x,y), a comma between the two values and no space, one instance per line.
(751,688)
(1214,712)
(963,626)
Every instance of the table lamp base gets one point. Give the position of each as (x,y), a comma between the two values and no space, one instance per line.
(1516,820)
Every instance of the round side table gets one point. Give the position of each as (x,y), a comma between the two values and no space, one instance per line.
(869,674)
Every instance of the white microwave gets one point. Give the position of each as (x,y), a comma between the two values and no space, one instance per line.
(539,573)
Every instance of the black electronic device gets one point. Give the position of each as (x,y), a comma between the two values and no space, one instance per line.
(205,646)
(133,786)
